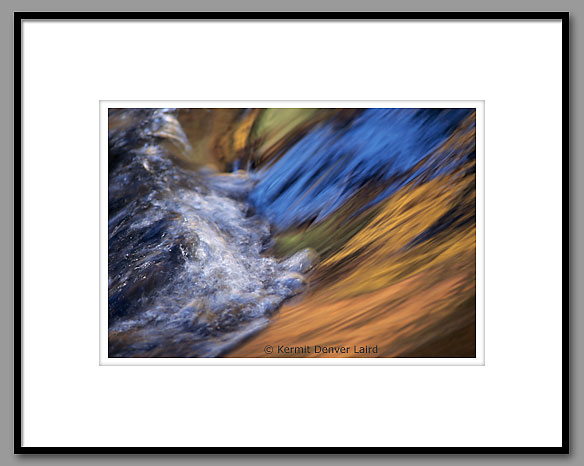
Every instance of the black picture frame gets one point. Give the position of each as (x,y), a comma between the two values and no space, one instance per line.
(19,17)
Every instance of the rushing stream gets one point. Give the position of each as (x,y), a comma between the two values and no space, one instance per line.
(361,222)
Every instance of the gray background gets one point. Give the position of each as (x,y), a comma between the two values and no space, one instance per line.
(575,7)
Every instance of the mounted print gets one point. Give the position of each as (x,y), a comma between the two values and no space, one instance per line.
(209,205)
(292,232)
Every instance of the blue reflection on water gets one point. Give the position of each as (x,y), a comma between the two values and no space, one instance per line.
(328,165)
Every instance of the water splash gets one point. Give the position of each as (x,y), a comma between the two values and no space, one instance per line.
(187,276)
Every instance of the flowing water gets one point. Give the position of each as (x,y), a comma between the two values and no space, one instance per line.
(233,229)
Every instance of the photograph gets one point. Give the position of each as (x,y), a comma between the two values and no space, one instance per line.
(291,232)
(271,233)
